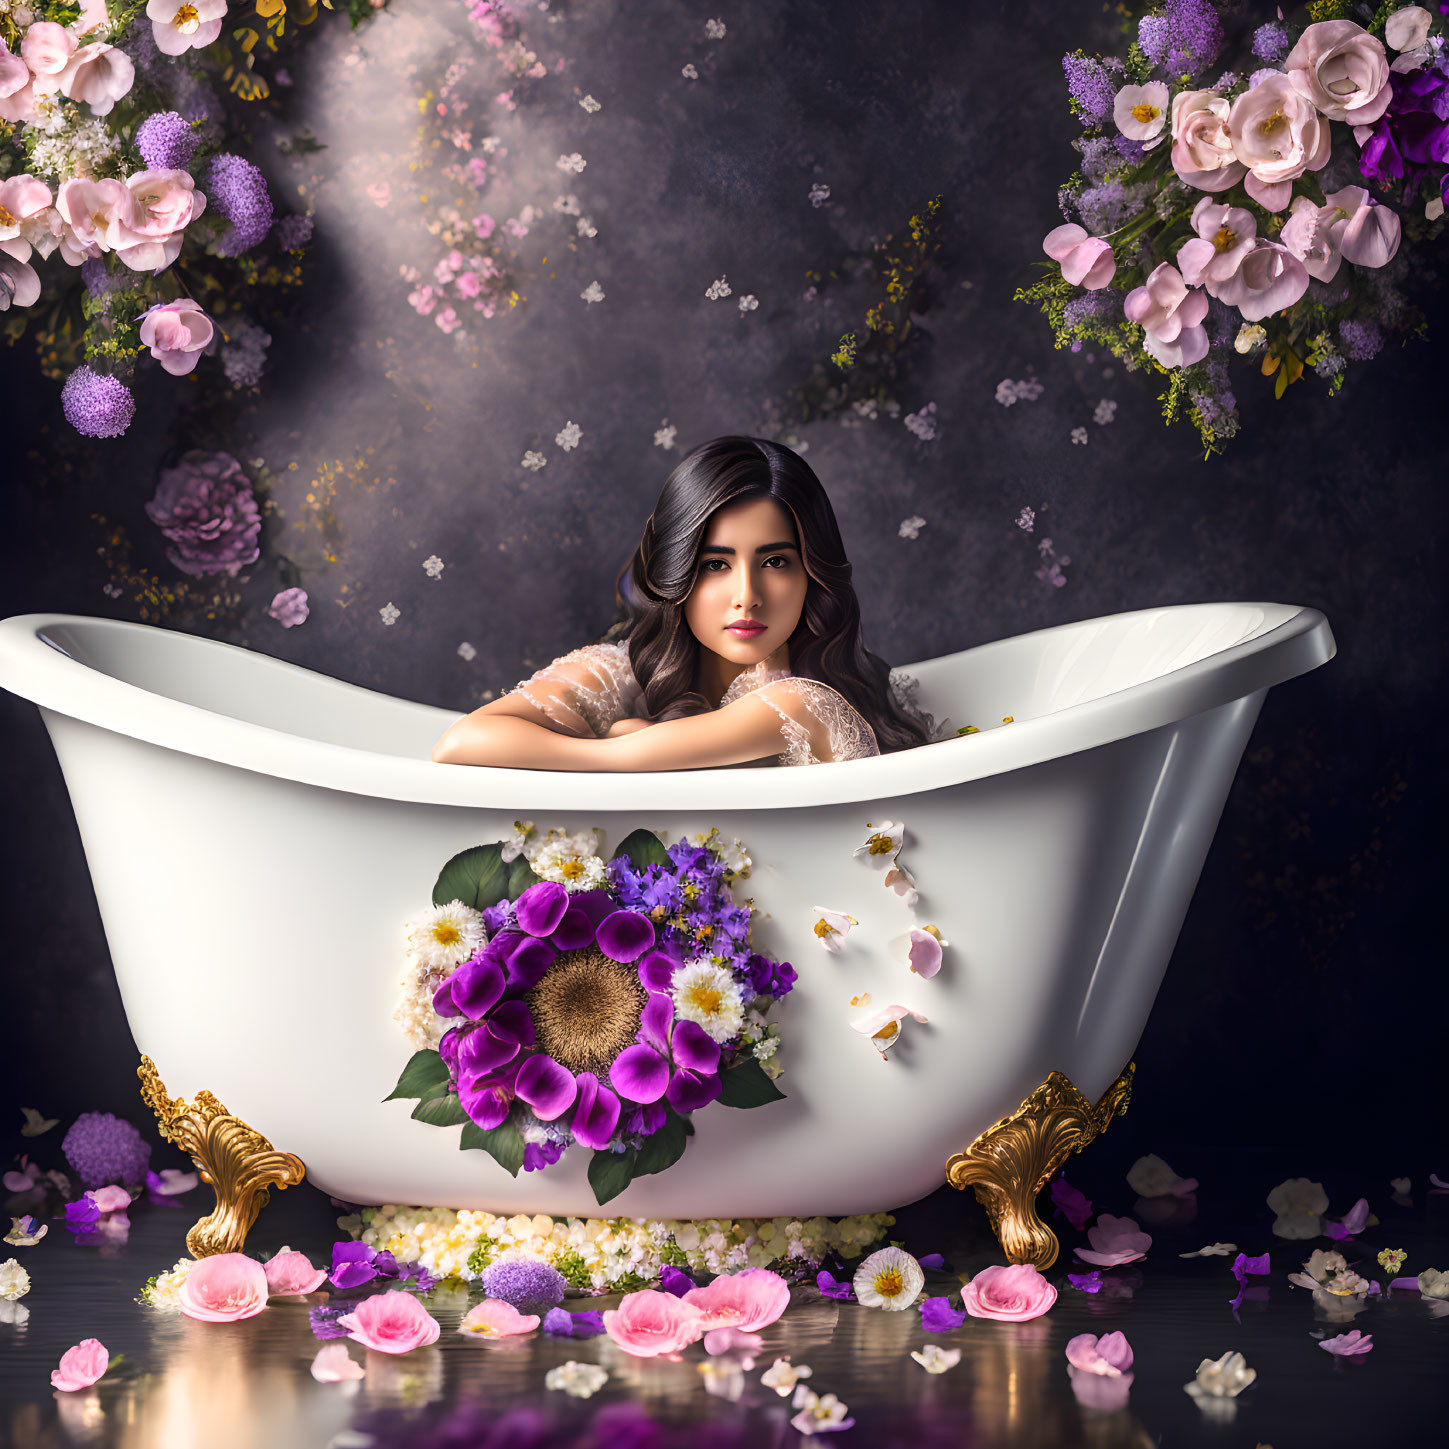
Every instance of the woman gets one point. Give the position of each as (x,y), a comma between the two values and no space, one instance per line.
(739,641)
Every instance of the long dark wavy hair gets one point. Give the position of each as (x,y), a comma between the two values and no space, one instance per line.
(652,587)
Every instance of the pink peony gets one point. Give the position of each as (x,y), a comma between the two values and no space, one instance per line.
(494,1318)
(1110,1355)
(1269,280)
(177,333)
(1115,1240)
(1225,235)
(1342,70)
(47,49)
(1171,315)
(224,1288)
(99,75)
(1278,136)
(391,1322)
(1012,1294)
(746,1300)
(289,1273)
(1086,261)
(1202,150)
(334,1364)
(80,1366)
(163,203)
(649,1323)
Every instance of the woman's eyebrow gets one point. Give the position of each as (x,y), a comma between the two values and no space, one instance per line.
(763,548)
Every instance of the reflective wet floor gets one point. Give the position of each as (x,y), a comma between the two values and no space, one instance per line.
(182,1384)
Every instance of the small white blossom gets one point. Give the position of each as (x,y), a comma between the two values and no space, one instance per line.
(568,205)
(923,423)
(568,438)
(664,435)
(575,871)
(585,227)
(1026,520)
(577,1380)
(590,105)
(1222,1378)
(533,461)
(911,527)
(1106,410)
(819,1414)
(1028,389)
(819,194)
(710,996)
(592,293)
(572,162)
(782,1376)
(1250,336)
(935,1359)
(433,566)
(467,651)
(689,72)
(390,613)
(517,843)
(1213,1250)
(14,1280)
(1079,435)
(718,289)
(714,29)
(749,302)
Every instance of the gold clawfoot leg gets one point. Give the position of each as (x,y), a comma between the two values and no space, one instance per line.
(238,1162)
(1010,1163)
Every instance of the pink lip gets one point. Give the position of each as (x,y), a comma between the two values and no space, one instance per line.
(750,629)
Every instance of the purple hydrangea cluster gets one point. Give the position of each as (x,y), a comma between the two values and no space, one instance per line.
(167,141)
(205,507)
(1129,149)
(1215,402)
(529,1287)
(1104,303)
(1271,41)
(96,404)
(244,353)
(1099,156)
(1092,84)
(102,1148)
(237,190)
(1105,206)
(1361,340)
(97,279)
(293,232)
(1186,38)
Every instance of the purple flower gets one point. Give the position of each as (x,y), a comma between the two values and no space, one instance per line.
(82,1215)
(323,1319)
(205,507)
(1271,41)
(1086,1282)
(1104,302)
(932,1261)
(1076,1208)
(237,190)
(244,352)
(293,232)
(561,1323)
(1361,340)
(354,1264)
(937,1316)
(832,1287)
(769,978)
(1186,37)
(538,1155)
(1412,134)
(671,1280)
(96,404)
(103,1148)
(1243,1265)
(529,1287)
(1092,85)
(167,141)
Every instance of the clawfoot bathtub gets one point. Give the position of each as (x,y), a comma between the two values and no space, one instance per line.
(257,835)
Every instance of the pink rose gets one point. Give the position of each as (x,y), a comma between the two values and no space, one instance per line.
(289,1273)
(649,1323)
(1110,1355)
(1270,279)
(1013,1293)
(1202,150)
(1224,237)
(22,198)
(224,1288)
(1278,136)
(747,1300)
(163,203)
(80,1366)
(493,1318)
(1115,1240)
(98,74)
(1171,315)
(391,1322)
(47,48)
(1086,261)
(176,332)
(1343,70)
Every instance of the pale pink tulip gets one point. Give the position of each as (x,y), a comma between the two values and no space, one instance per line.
(47,49)
(290,1273)
(1086,261)
(1269,280)
(98,75)
(1343,70)
(493,1318)
(224,1288)
(647,1324)
(334,1364)
(177,333)
(392,1322)
(746,1300)
(80,1366)
(1115,1240)
(1110,1355)
(1171,314)
(1224,237)
(1013,1293)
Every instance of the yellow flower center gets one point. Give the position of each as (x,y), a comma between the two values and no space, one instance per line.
(890,1283)
(186,19)
(704,932)
(705,999)
(689,890)
(1224,238)
(445,933)
(5,218)
(823,928)
(1271,125)
(571,869)
(1144,113)
(880,844)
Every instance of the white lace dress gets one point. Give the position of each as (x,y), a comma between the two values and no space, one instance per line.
(588,689)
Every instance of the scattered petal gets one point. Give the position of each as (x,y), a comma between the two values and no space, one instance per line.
(818,1414)
(935,1359)
(25,1232)
(937,1316)
(782,1375)
(1151,1177)
(1110,1355)
(493,1318)
(1348,1344)
(831,927)
(1114,1241)
(1221,1378)
(577,1380)
(883,1027)
(334,1364)
(35,1124)
(832,1287)
(1213,1250)
(80,1366)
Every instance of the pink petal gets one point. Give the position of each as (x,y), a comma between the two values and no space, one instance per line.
(392,1322)
(80,1366)
(110,1199)
(722,1340)
(290,1273)
(334,1364)
(747,1300)
(925,954)
(1062,240)
(493,1318)
(223,1288)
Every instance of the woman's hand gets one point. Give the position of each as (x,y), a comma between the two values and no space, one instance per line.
(627,727)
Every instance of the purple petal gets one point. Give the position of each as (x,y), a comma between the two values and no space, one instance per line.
(645,1121)
(1087,1282)
(832,1287)
(512,1022)
(576,930)
(588,1323)
(671,1280)
(559,1322)
(353,1275)
(595,904)
(323,1319)
(486,1100)
(82,1214)
(546,1085)
(640,1074)
(937,1316)
(597,1113)
(625,935)
(654,1022)
(695,1048)
(385,1264)
(688,1090)
(351,1253)
(541,907)
(656,970)
(483,1052)
(476,987)
(527,960)
(932,1261)
(443,999)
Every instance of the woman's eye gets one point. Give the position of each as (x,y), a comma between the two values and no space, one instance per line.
(778,558)
(713,565)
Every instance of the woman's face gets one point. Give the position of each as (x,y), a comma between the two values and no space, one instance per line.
(749,584)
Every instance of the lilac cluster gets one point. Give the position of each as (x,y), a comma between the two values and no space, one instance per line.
(205,507)
(1215,403)
(98,280)
(97,405)
(1361,340)
(1105,206)
(1186,38)
(102,1148)
(1272,41)
(1099,156)
(237,190)
(244,353)
(167,141)
(293,232)
(529,1287)
(1103,303)
(1092,84)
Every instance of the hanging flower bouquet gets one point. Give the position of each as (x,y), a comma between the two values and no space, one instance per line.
(558,998)
(116,152)
(1261,211)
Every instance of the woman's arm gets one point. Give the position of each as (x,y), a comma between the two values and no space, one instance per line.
(746,730)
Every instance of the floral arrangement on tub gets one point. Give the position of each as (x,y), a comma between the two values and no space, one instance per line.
(117,154)
(1249,191)
(557,999)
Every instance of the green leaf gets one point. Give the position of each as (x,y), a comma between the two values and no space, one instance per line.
(444,1111)
(664,1148)
(610,1173)
(478,877)
(520,876)
(644,848)
(746,1085)
(424,1076)
(504,1144)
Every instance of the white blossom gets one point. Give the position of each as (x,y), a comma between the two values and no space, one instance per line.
(689,72)
(718,289)
(590,105)
(911,527)
(569,437)
(714,29)
(664,435)
(819,194)
(572,162)
(593,292)
(390,613)
(1079,435)
(433,566)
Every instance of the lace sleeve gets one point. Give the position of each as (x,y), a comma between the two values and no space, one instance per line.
(809,710)
(586,690)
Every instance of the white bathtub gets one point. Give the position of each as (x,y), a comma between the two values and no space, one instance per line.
(257,834)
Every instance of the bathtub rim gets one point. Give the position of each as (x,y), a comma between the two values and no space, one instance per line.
(36,669)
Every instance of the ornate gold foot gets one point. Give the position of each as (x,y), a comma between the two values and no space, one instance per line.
(238,1162)
(1011,1162)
